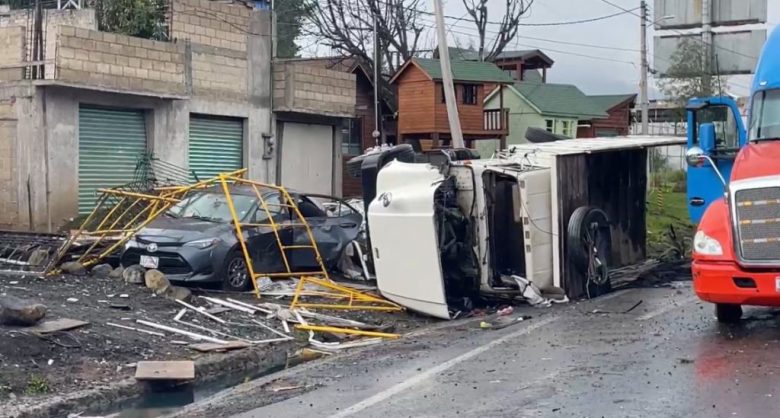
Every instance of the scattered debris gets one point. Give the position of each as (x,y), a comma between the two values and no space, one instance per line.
(145,331)
(238,307)
(177,293)
(337,330)
(165,370)
(285,388)
(62,324)
(180,331)
(71,300)
(17,311)
(209,347)
(356,300)
(120,306)
(200,311)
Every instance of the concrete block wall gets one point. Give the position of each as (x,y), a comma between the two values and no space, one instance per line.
(219,73)
(309,89)
(210,23)
(119,62)
(52,19)
(12,50)
(8,195)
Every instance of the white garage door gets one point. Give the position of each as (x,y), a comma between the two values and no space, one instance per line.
(307,157)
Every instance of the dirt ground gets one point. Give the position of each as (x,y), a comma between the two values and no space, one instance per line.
(34,367)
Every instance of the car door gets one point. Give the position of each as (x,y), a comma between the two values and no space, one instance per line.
(334,225)
(261,240)
(704,186)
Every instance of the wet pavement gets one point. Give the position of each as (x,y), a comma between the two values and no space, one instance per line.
(667,357)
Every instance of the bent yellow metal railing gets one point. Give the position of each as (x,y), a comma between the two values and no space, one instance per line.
(295,216)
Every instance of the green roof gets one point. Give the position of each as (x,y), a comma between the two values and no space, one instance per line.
(608,101)
(560,100)
(477,71)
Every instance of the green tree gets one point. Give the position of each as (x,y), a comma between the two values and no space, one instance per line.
(289,20)
(141,18)
(689,75)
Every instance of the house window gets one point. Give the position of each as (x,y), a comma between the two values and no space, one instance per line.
(469,94)
(566,128)
(351,135)
(549,124)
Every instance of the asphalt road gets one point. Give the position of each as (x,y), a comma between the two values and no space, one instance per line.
(668,357)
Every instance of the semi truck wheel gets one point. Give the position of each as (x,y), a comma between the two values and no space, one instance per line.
(728,313)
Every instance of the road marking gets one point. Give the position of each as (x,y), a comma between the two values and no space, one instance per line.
(664,309)
(421,377)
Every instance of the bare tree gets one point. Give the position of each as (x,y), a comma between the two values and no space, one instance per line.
(687,75)
(506,28)
(347,27)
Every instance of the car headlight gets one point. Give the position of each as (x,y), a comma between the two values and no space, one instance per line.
(202,243)
(706,245)
(131,243)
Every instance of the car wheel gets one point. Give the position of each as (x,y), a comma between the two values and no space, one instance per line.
(728,313)
(236,276)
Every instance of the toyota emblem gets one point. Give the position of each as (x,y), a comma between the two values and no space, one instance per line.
(151,247)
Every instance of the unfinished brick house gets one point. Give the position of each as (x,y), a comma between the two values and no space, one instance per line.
(76,114)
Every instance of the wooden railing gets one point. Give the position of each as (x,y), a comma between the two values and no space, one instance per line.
(495,119)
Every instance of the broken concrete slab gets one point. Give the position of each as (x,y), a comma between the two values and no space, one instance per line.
(134,274)
(62,324)
(18,311)
(165,370)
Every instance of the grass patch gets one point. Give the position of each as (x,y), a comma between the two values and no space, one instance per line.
(37,385)
(669,229)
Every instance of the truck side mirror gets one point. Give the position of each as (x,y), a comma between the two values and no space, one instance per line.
(707,137)
(696,157)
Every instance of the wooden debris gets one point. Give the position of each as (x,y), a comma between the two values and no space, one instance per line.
(209,347)
(62,324)
(285,388)
(165,370)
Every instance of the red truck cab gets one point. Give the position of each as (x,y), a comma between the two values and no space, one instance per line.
(736,250)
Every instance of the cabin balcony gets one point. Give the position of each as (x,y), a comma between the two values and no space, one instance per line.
(495,121)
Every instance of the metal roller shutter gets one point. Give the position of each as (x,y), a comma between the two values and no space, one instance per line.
(216,145)
(110,143)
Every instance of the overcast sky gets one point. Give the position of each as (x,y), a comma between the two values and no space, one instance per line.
(595,75)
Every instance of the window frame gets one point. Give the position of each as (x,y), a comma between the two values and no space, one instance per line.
(470,88)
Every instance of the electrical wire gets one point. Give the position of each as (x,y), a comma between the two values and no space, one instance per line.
(677,31)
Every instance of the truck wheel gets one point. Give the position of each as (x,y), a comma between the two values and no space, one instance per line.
(589,247)
(728,313)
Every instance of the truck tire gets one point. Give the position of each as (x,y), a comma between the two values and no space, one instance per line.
(538,135)
(589,247)
(728,313)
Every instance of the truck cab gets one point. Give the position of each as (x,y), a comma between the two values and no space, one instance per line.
(704,184)
(736,254)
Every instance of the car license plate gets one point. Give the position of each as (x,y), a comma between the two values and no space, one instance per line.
(149,261)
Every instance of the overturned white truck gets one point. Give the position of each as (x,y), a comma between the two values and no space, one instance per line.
(555,215)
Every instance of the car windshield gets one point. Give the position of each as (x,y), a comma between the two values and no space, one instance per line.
(212,207)
(765,115)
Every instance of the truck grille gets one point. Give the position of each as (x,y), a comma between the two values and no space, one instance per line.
(758,223)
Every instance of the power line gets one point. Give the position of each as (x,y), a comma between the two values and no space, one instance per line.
(555,41)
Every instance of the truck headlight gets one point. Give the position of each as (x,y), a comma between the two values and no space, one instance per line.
(202,243)
(706,245)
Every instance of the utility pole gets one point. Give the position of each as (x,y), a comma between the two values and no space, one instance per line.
(446,76)
(377,64)
(706,38)
(644,104)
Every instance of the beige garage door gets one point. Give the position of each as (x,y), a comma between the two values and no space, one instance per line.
(307,157)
